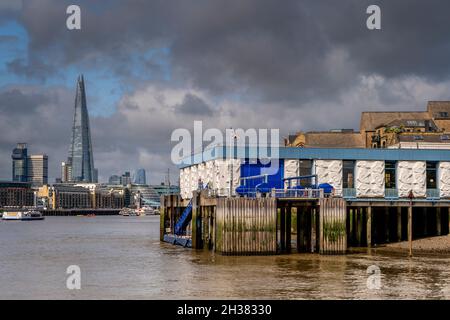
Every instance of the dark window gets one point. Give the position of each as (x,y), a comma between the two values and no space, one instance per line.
(431,175)
(443,114)
(305,170)
(389,174)
(445,137)
(418,138)
(348,174)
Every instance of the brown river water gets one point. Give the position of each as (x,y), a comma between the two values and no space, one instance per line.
(122,258)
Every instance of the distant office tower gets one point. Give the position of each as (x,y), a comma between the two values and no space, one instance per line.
(66,171)
(80,153)
(126,178)
(115,179)
(38,170)
(95,179)
(140,177)
(19,163)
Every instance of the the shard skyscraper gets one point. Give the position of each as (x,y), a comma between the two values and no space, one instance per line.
(81,160)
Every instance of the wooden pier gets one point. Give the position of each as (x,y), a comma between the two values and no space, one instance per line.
(271,225)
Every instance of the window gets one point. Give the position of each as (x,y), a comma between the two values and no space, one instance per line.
(443,114)
(444,137)
(431,175)
(418,138)
(348,174)
(305,170)
(389,174)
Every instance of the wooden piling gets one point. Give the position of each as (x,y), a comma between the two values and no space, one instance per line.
(288,229)
(283,229)
(438,221)
(399,223)
(369,226)
(410,228)
(196,221)
(162,219)
(333,234)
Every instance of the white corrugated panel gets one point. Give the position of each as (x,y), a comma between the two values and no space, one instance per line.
(369,179)
(291,169)
(444,179)
(330,171)
(411,176)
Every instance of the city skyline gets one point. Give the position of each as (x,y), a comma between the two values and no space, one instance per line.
(244,70)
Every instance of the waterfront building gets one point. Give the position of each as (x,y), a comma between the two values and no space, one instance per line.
(140,177)
(64,196)
(16,194)
(81,158)
(37,170)
(19,163)
(428,129)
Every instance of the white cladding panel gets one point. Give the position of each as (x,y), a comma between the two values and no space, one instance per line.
(369,179)
(216,173)
(444,179)
(330,171)
(291,169)
(411,176)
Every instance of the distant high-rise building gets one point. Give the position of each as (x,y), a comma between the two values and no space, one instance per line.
(115,179)
(37,168)
(81,157)
(19,163)
(126,178)
(66,171)
(140,177)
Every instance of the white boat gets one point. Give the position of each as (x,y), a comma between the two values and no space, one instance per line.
(22,215)
(144,211)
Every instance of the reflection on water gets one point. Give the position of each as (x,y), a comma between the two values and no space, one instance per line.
(122,258)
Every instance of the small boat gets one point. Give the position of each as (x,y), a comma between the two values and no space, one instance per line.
(23,215)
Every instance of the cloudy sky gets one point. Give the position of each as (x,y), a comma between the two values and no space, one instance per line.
(155,65)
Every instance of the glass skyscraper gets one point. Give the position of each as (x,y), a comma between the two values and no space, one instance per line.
(81,159)
(20,163)
(139,177)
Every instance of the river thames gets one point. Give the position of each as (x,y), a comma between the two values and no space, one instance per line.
(122,258)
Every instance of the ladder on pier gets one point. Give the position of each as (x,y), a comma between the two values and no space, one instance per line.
(183,221)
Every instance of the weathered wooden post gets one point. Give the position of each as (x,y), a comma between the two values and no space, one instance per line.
(369,226)
(399,223)
(288,228)
(386,223)
(360,225)
(313,229)
(438,221)
(283,229)
(162,219)
(196,221)
(425,221)
(410,228)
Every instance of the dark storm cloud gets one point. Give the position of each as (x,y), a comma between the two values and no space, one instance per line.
(194,105)
(284,52)
(231,64)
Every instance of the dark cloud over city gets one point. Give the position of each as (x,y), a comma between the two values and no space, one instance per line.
(293,65)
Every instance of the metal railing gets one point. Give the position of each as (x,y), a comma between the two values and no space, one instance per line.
(298,193)
(391,193)
(433,194)
(349,193)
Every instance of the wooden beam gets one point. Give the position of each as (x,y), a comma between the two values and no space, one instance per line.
(410,229)
(283,229)
(438,222)
(369,226)
(288,228)
(399,223)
